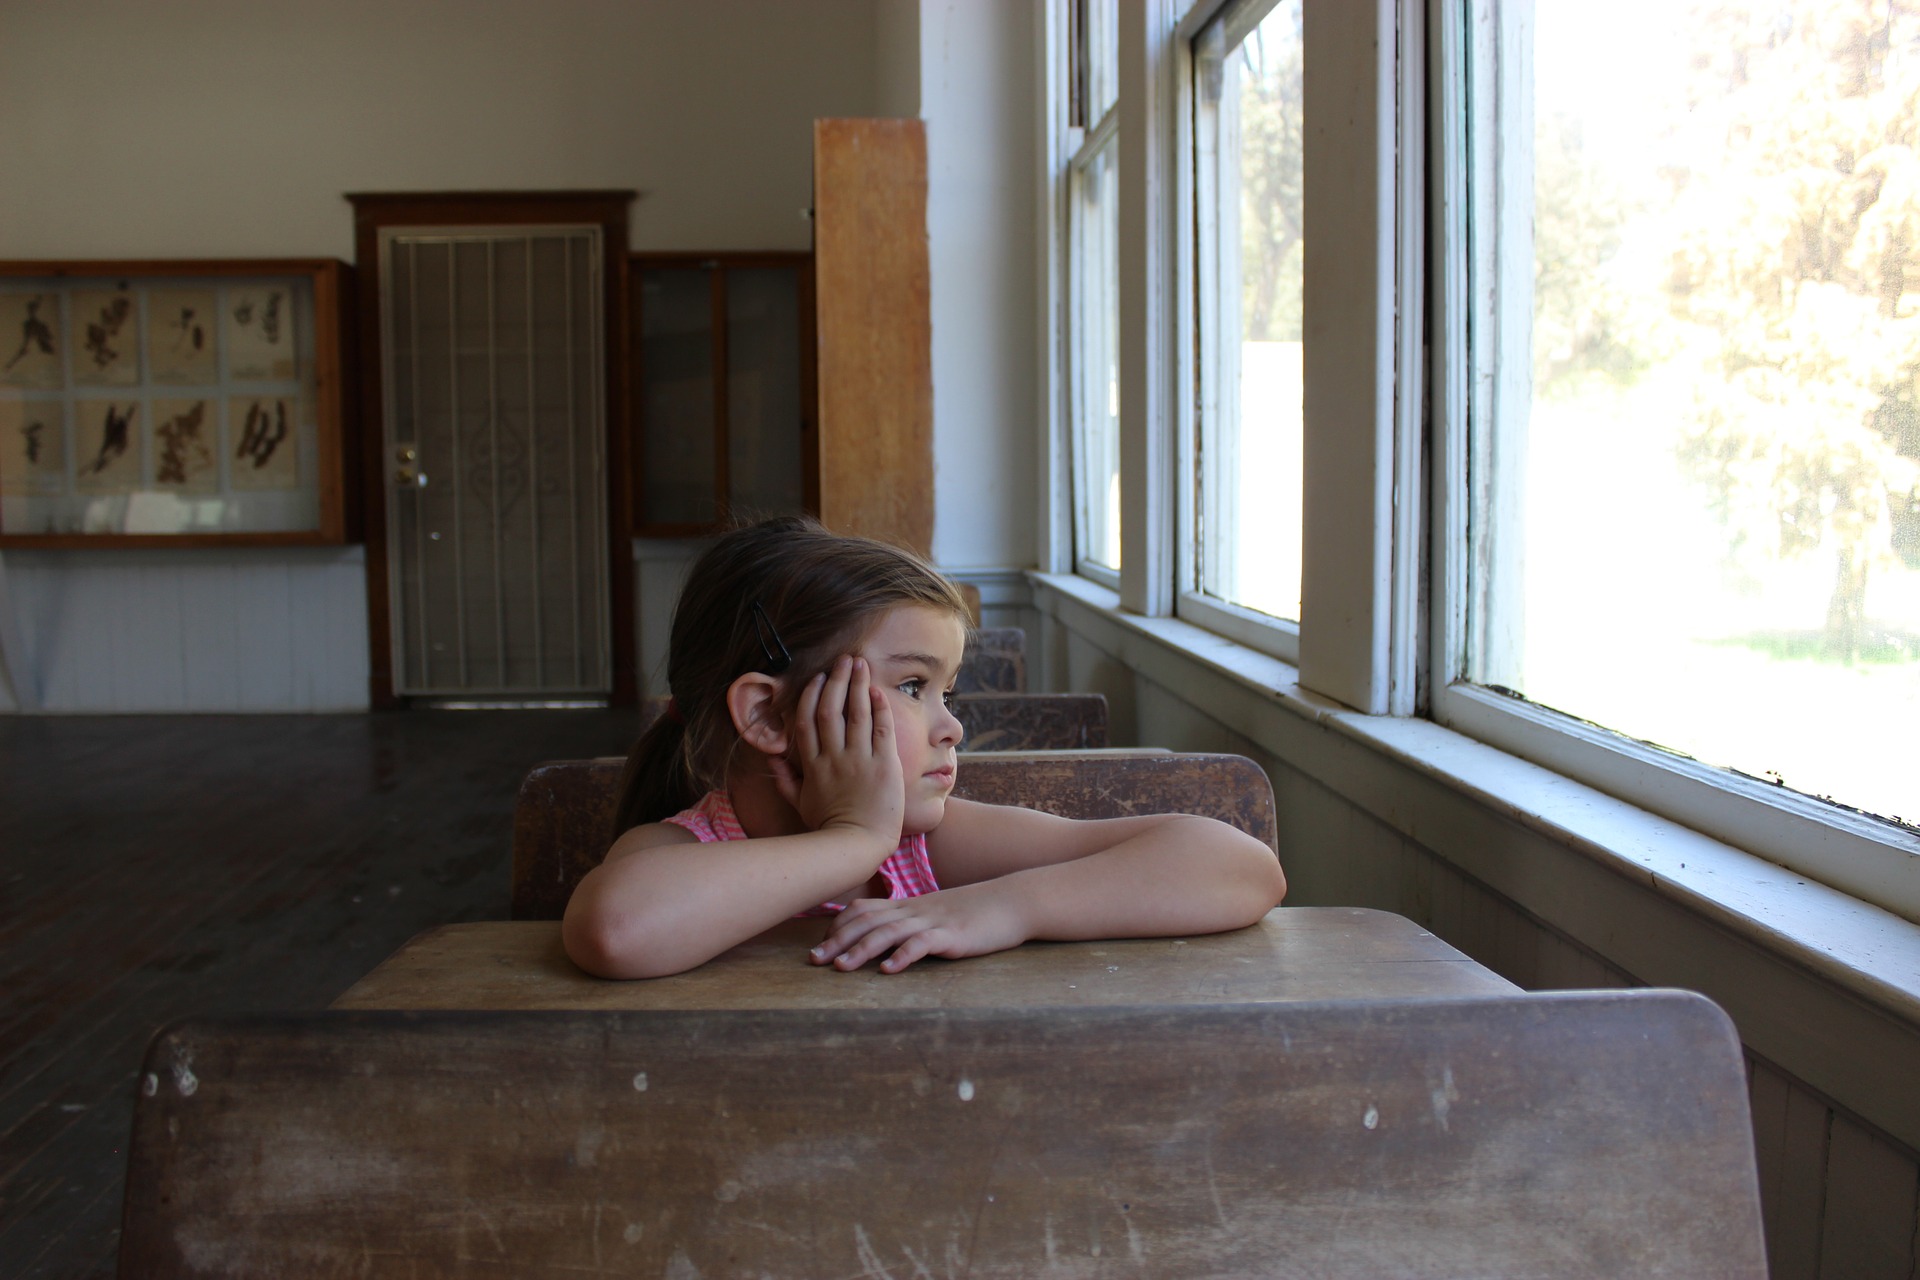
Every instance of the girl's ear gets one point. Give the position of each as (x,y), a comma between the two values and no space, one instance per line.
(750,701)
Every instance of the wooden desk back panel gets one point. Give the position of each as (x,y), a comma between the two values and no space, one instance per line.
(1004,721)
(995,662)
(1032,721)
(1573,1135)
(562,822)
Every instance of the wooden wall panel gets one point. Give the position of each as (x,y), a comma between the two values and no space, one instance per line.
(1866,1227)
(875,329)
(1799,1187)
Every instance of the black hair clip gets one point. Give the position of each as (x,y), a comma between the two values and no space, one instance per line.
(763,628)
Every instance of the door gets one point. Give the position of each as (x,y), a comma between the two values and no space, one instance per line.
(494,445)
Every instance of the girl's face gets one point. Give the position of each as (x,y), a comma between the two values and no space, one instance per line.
(915,654)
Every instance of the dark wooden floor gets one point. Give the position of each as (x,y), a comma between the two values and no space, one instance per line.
(157,867)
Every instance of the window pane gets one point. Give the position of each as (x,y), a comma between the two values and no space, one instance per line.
(1095,325)
(764,421)
(676,362)
(1247,114)
(1102,57)
(1702,521)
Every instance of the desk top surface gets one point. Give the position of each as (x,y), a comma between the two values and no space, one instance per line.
(1294,954)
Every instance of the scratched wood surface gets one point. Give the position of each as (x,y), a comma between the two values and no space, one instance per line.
(875,334)
(995,661)
(563,821)
(1032,721)
(1575,1135)
(1294,954)
(1003,721)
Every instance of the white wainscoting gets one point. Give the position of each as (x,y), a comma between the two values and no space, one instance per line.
(248,630)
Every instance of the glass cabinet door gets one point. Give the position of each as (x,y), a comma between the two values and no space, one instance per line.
(723,375)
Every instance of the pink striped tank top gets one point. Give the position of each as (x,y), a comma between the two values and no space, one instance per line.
(907,871)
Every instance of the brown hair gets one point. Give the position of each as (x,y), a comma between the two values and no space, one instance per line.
(817,593)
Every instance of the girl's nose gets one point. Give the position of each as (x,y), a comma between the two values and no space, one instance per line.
(947,729)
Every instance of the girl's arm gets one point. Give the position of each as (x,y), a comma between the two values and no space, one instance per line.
(1017,874)
(662,902)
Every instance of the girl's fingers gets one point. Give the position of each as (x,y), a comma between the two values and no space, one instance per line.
(831,719)
(860,694)
(882,712)
(875,941)
(849,927)
(806,736)
(919,945)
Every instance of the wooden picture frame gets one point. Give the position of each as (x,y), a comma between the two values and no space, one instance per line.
(212,394)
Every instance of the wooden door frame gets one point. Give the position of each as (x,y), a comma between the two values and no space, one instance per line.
(374,212)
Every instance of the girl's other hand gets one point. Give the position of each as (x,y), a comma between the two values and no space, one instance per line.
(970,921)
(844,754)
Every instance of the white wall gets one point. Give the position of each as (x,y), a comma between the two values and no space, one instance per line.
(223,128)
(977,96)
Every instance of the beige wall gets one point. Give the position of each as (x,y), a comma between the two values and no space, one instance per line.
(224,128)
(215,128)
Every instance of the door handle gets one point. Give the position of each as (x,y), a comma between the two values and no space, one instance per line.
(406,470)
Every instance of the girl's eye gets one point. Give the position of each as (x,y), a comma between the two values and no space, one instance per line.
(946,698)
(913,687)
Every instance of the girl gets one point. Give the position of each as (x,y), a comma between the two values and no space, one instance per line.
(807,758)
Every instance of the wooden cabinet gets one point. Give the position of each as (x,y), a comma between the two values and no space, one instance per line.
(771,383)
(721,347)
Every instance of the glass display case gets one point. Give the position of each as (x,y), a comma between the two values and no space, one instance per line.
(171,403)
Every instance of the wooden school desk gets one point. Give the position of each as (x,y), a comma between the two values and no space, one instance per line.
(1294,954)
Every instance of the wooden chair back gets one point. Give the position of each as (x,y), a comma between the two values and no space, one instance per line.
(1004,721)
(1032,721)
(1571,1134)
(563,820)
(995,662)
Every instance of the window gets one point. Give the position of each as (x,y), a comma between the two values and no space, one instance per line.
(1093,221)
(1604,444)
(1694,478)
(1248,250)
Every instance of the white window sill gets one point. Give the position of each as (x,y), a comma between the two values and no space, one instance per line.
(1863,950)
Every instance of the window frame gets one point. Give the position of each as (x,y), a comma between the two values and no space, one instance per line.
(1868,857)
(1090,144)
(1276,637)
(1389,414)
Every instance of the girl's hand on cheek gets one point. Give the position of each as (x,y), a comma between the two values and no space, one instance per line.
(969,921)
(844,755)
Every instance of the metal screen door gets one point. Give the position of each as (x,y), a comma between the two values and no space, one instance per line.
(495,371)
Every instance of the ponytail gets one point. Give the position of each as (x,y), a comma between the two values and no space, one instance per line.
(656,783)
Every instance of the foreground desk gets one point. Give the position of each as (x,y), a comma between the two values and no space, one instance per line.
(1575,1135)
(477,1107)
(1294,954)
